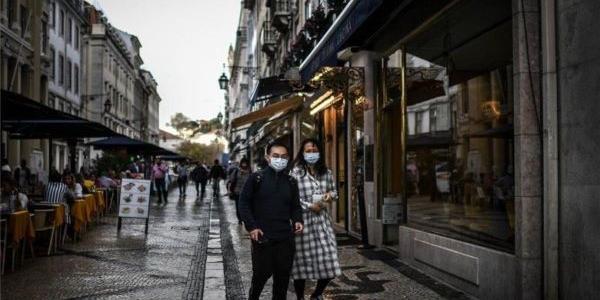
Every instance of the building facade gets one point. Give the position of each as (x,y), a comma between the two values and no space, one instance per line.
(25,68)
(67,24)
(151,104)
(111,72)
(66,55)
(450,128)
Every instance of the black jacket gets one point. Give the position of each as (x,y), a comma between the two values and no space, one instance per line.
(217,172)
(270,202)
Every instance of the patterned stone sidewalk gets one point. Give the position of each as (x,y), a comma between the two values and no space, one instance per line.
(367,274)
(195,250)
(168,263)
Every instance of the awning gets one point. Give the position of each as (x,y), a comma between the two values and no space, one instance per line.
(269,112)
(325,53)
(25,118)
(132,146)
(268,88)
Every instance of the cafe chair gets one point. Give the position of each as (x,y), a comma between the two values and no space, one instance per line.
(43,220)
(21,221)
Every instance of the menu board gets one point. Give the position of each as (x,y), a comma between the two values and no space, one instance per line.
(135,198)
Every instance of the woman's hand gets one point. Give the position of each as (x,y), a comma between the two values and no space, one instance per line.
(315,207)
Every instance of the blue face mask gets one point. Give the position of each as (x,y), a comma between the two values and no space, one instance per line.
(312,158)
(278,164)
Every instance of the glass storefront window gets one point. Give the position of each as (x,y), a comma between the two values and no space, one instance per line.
(459,157)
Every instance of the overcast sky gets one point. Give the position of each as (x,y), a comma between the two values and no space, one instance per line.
(184,45)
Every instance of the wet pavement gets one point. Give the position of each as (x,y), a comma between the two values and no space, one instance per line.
(195,250)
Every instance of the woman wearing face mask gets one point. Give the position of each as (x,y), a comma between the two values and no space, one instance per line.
(316,255)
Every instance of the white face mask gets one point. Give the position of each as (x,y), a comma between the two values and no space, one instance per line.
(278,164)
(312,158)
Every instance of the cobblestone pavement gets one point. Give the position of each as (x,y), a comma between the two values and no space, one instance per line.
(168,263)
(195,249)
(366,274)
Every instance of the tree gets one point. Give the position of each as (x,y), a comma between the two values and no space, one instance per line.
(188,128)
(200,152)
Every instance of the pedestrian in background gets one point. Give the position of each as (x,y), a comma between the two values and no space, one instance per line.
(269,206)
(316,256)
(200,176)
(237,180)
(22,175)
(216,174)
(182,178)
(159,172)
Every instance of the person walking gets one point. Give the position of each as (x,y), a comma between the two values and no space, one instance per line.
(216,174)
(159,172)
(269,206)
(22,175)
(237,181)
(200,176)
(182,178)
(316,256)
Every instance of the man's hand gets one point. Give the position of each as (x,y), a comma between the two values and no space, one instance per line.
(256,234)
(298,227)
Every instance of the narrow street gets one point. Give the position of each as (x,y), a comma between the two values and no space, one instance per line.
(195,250)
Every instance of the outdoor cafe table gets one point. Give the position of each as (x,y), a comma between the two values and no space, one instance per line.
(90,203)
(80,215)
(100,199)
(59,211)
(20,226)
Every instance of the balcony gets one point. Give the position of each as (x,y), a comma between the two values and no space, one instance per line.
(242,34)
(280,14)
(268,39)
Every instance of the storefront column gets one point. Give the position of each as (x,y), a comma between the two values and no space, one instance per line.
(296,133)
(369,61)
(528,152)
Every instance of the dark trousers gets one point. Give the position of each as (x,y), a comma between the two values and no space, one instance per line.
(216,187)
(182,184)
(161,189)
(202,185)
(273,258)
(236,198)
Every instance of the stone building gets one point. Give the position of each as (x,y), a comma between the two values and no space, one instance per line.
(461,138)
(24,67)
(112,64)
(151,103)
(67,24)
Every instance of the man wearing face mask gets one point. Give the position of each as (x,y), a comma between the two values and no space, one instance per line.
(270,209)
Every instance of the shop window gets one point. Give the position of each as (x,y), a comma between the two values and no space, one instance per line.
(459,170)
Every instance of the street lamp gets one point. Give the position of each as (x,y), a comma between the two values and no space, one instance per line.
(223,81)
(220,117)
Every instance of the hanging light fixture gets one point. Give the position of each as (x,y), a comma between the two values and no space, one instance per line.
(223,81)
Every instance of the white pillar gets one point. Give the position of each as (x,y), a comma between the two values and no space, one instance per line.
(369,62)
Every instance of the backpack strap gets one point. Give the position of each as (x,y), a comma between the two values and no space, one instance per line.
(257,180)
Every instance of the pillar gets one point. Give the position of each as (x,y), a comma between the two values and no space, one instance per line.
(528,152)
(369,61)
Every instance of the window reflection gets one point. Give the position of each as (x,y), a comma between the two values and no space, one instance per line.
(459,154)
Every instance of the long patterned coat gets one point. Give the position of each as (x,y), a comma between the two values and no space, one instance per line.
(316,248)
